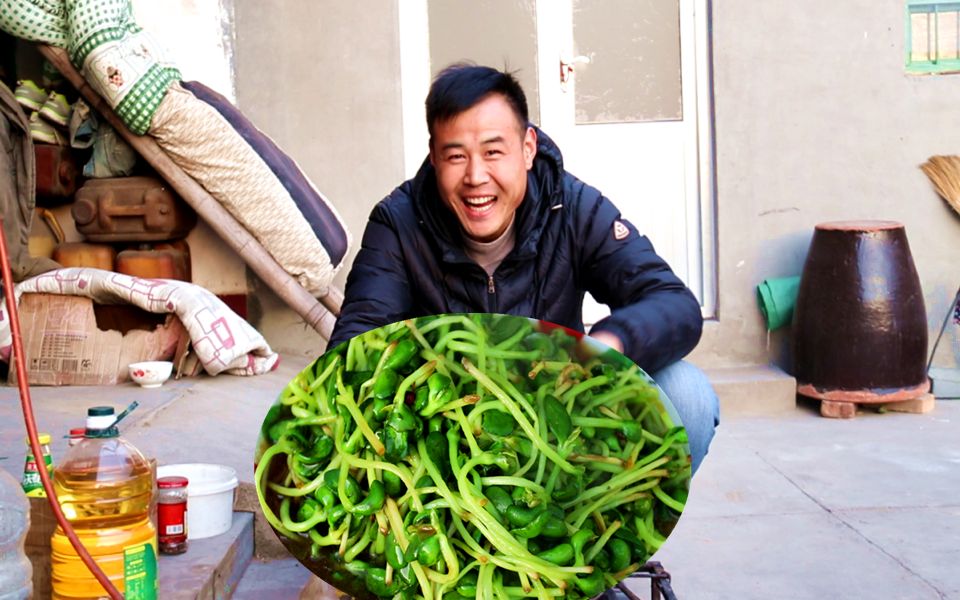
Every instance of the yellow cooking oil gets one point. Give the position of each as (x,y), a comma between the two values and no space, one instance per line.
(105,487)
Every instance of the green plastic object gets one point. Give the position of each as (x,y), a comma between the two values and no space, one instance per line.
(777,298)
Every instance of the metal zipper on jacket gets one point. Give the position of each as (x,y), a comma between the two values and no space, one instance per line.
(491,288)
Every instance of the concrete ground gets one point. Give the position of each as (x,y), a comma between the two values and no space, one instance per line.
(797,506)
(199,419)
(790,506)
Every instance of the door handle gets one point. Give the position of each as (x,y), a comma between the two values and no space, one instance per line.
(567,66)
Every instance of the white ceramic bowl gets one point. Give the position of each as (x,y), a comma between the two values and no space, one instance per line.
(152,373)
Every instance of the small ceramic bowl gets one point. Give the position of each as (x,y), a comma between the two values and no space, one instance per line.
(150,374)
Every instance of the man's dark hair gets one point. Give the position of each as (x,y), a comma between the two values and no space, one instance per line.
(462,85)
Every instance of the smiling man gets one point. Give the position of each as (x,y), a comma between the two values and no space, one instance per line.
(493,223)
(481,158)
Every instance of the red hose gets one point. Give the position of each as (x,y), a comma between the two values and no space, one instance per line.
(31,424)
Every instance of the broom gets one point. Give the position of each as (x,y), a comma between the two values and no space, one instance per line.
(944,172)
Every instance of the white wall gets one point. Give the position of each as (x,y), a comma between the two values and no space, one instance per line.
(322,78)
(199,36)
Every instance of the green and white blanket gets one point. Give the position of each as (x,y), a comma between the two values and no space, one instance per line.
(124,63)
(42,21)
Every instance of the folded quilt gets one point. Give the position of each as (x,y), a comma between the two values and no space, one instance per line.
(204,143)
(222,341)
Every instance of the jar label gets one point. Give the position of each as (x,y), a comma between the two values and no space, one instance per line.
(173,529)
(172,522)
(31,483)
(140,572)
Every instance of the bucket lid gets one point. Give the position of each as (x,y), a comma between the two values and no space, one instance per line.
(205,479)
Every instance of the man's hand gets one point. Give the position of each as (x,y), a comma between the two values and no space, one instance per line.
(605,337)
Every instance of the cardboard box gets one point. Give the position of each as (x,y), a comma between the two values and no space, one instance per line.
(67,343)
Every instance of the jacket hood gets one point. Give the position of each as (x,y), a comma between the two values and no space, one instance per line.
(544,185)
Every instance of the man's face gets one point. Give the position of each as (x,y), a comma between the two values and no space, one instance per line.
(481,157)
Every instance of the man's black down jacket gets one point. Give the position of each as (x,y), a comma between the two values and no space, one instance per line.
(411,263)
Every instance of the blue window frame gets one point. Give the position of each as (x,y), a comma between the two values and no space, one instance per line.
(932,36)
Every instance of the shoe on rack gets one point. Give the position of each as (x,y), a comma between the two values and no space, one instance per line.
(30,94)
(44,132)
(56,109)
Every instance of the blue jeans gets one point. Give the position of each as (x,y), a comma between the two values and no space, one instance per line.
(690,392)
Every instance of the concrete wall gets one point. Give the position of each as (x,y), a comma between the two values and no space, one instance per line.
(816,120)
(198,36)
(323,79)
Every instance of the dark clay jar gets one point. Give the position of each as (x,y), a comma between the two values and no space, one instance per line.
(860,326)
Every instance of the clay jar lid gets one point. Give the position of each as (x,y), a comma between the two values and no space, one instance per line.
(864,225)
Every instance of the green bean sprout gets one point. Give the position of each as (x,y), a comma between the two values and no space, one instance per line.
(473,456)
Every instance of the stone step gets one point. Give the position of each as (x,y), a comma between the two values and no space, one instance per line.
(945,383)
(753,390)
(211,568)
(282,579)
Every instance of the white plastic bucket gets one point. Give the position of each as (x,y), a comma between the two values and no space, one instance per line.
(209,497)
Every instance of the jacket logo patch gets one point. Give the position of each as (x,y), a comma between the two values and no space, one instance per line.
(620,231)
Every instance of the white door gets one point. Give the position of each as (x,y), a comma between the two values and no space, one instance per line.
(620,85)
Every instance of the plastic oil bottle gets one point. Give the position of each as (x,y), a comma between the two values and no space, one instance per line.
(106,488)
(16,574)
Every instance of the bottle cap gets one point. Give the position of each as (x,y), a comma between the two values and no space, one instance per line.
(172,481)
(100,418)
(43,438)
